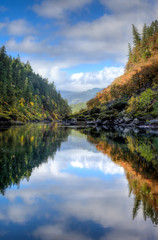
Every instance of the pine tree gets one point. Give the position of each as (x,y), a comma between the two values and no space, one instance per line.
(156,25)
(136,36)
(144,35)
(129,50)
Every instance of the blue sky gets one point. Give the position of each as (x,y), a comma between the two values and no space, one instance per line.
(77,44)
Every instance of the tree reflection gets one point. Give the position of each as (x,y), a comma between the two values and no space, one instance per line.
(138,155)
(24,148)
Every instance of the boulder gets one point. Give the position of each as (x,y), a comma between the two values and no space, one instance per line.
(90,122)
(154,122)
(120,121)
(136,121)
(127,120)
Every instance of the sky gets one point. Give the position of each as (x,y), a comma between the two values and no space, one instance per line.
(77,44)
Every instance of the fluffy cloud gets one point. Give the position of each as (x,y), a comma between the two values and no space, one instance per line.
(78,81)
(70,198)
(94,79)
(58,232)
(127,5)
(102,39)
(20,27)
(58,8)
(28,45)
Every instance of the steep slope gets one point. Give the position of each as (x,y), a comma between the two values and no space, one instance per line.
(26,96)
(141,69)
(133,97)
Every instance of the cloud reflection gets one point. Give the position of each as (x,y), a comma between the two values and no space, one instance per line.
(54,196)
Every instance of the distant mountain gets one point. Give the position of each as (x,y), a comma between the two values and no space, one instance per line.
(78,97)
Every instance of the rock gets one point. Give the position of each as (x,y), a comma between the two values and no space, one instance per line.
(99,122)
(90,122)
(116,121)
(136,130)
(120,121)
(98,128)
(127,119)
(105,122)
(154,122)
(145,118)
(126,130)
(136,121)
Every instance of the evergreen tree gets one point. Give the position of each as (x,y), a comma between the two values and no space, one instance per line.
(136,36)
(26,91)
(129,50)
(144,35)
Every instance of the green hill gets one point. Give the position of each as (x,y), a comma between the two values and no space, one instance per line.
(26,96)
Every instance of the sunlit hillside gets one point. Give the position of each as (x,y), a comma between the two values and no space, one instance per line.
(141,70)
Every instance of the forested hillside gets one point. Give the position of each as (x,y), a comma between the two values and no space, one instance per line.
(134,95)
(26,96)
(141,70)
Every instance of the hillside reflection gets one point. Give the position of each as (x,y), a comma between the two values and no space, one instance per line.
(24,148)
(138,155)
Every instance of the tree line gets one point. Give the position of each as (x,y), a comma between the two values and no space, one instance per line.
(140,41)
(23,91)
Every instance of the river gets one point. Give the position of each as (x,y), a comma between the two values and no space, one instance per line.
(62,183)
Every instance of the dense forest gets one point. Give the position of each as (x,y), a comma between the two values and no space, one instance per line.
(26,96)
(135,93)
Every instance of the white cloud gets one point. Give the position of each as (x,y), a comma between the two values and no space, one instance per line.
(58,232)
(20,27)
(58,8)
(101,78)
(27,45)
(77,81)
(68,197)
(103,39)
(127,5)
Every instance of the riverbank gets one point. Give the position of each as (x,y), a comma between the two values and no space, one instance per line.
(9,122)
(124,122)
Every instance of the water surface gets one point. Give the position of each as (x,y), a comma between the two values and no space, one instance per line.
(82,184)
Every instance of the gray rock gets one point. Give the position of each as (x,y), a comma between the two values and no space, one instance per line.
(99,122)
(136,121)
(154,122)
(90,122)
(105,122)
(127,119)
(146,118)
(116,121)
(121,121)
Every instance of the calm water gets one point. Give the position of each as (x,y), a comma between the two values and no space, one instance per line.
(59,183)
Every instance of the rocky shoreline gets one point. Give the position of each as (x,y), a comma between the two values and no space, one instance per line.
(122,122)
(8,123)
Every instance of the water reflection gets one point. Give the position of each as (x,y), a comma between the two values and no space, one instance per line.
(138,155)
(24,148)
(77,186)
